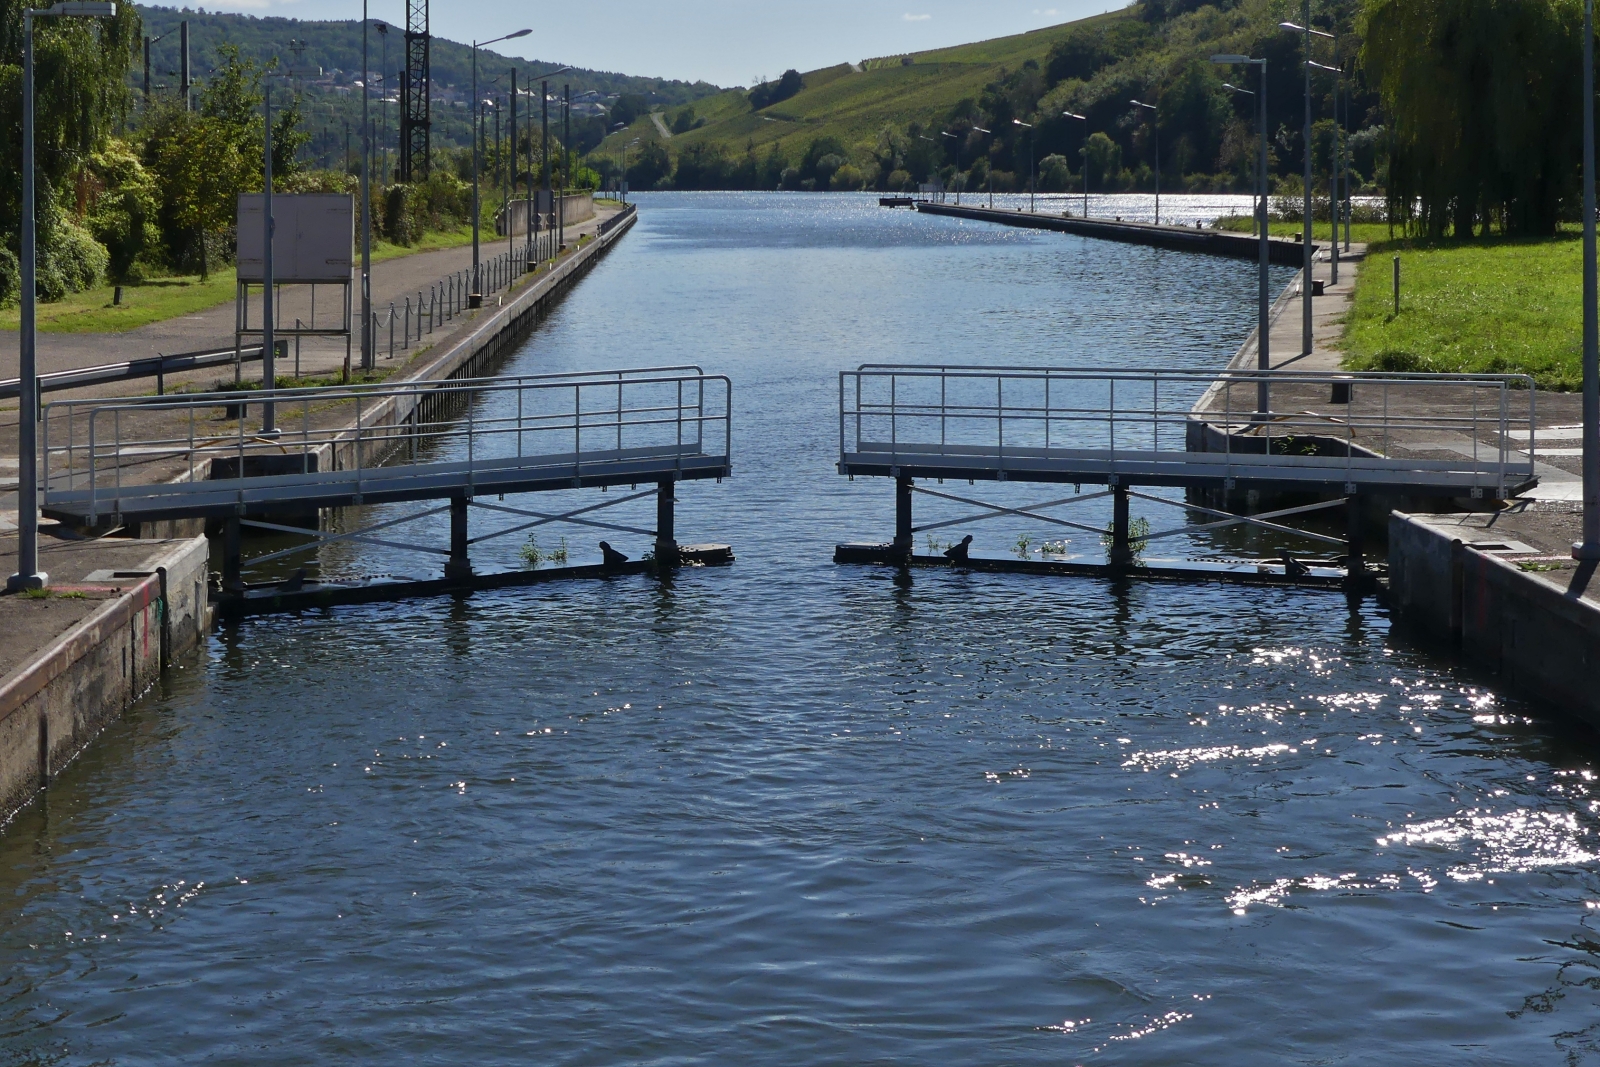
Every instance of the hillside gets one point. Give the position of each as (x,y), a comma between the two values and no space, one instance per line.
(336,46)
(994,112)
(854,102)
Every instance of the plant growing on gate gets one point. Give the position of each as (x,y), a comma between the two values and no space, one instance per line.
(1138,536)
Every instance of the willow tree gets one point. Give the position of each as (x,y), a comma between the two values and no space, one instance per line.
(1484,100)
(80,95)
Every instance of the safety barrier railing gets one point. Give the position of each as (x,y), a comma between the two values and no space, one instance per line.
(97,451)
(1419,422)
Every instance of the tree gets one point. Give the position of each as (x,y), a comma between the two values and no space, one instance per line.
(1103,157)
(776,92)
(1484,96)
(80,93)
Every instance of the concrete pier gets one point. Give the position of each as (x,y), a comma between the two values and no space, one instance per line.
(1283,251)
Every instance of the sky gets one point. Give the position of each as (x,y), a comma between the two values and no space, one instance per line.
(727,42)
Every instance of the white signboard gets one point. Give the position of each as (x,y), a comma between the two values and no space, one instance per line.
(313,237)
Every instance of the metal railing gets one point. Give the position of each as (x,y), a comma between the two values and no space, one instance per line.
(1378,427)
(99,454)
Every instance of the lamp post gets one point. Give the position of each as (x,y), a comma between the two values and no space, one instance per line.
(28,575)
(148,41)
(1155,127)
(960,181)
(980,129)
(1263,296)
(1333,169)
(1589,547)
(625,148)
(475,297)
(1305,235)
(566,162)
(368,341)
(1085,120)
(1031,177)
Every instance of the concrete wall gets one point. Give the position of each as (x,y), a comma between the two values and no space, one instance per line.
(51,709)
(573,208)
(1543,641)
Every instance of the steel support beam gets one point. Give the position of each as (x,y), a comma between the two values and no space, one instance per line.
(903,532)
(1121,549)
(460,565)
(666,536)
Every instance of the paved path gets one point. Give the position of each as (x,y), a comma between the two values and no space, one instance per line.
(1558,414)
(661,126)
(392,280)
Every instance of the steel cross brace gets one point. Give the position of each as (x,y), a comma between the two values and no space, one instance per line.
(1230,519)
(319,538)
(1028,511)
(541,518)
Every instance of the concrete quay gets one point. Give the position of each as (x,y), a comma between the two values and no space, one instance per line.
(1281,250)
(118,612)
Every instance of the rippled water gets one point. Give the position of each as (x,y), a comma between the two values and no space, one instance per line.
(790,812)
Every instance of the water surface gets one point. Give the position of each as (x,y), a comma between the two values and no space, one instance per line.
(789,812)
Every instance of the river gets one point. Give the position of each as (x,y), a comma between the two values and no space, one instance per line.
(792,812)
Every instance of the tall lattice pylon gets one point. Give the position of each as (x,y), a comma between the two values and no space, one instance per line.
(416,127)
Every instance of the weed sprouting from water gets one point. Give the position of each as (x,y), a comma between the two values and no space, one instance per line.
(532,555)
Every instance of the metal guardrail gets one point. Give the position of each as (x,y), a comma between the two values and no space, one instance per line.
(154,457)
(1427,433)
(157,367)
(607,225)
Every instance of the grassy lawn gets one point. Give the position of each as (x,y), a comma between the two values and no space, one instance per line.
(1361,232)
(160,299)
(1488,305)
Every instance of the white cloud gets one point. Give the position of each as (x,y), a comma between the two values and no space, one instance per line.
(909,17)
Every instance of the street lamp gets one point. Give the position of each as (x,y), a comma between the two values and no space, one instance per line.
(1589,547)
(980,129)
(1334,167)
(961,181)
(28,575)
(1155,128)
(148,41)
(475,297)
(1031,177)
(1263,296)
(1305,236)
(1085,120)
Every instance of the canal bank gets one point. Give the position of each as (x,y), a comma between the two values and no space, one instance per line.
(118,613)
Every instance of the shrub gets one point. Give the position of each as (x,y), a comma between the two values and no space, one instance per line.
(10,278)
(70,261)
(898,180)
(847,177)
(399,226)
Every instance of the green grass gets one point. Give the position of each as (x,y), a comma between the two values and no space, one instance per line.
(1489,305)
(1362,232)
(160,299)
(854,106)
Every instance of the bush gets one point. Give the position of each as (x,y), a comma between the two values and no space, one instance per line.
(898,180)
(10,278)
(776,92)
(1054,174)
(399,226)
(70,261)
(847,178)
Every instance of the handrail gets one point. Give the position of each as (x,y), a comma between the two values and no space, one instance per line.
(1064,414)
(132,443)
